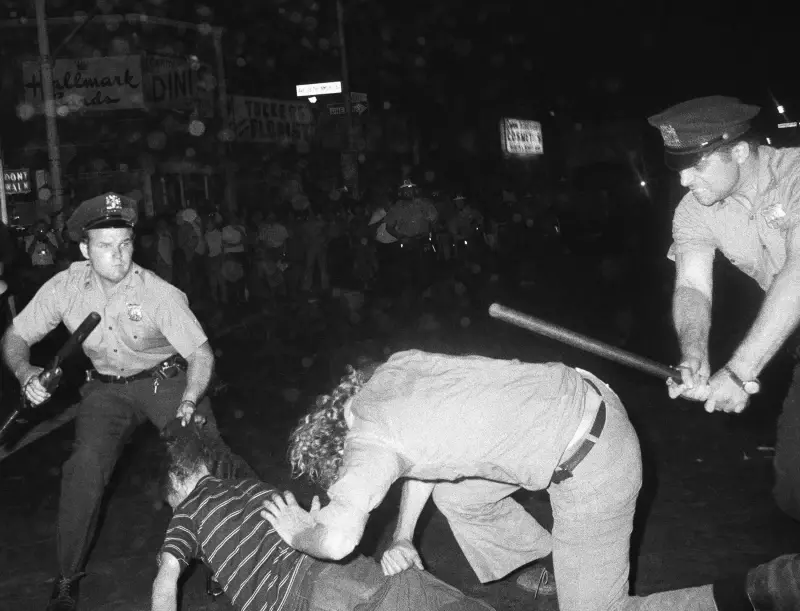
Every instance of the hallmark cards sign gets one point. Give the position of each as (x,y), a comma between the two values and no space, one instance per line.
(101,83)
(267,120)
(521,138)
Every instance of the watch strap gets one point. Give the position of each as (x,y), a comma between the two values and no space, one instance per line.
(735,377)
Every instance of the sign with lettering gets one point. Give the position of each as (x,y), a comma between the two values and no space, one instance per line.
(358,104)
(319,89)
(521,138)
(268,120)
(17,181)
(172,82)
(104,83)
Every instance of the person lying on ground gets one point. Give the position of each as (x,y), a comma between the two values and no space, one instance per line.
(218,521)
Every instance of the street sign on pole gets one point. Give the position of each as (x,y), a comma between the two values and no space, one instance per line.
(304,91)
(358,101)
(789,124)
(16,182)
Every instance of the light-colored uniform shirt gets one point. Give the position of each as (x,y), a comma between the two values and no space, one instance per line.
(438,417)
(144,320)
(412,218)
(753,240)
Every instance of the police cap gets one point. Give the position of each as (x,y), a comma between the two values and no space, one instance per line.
(108,210)
(696,128)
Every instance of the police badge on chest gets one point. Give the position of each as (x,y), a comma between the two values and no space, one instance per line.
(135,312)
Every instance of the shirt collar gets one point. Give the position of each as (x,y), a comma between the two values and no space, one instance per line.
(197,487)
(766,176)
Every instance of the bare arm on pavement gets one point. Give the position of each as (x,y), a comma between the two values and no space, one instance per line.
(165,586)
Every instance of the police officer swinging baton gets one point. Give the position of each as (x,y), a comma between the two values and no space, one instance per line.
(51,376)
(583,342)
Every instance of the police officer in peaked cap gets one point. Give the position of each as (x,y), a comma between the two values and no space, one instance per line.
(151,360)
(743,200)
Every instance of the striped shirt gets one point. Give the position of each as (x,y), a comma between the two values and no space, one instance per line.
(219,523)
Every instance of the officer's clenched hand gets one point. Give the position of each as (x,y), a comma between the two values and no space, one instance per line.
(725,394)
(32,388)
(695,372)
(186,411)
(400,557)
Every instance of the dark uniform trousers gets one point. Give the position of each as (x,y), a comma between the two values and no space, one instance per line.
(106,418)
(787,451)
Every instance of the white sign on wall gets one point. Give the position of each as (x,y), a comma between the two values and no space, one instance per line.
(521,138)
(103,83)
(303,91)
(267,120)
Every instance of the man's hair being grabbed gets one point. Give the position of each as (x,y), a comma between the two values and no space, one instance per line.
(187,451)
(316,445)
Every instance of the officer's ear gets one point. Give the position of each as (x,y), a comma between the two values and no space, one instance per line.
(741,152)
(84,246)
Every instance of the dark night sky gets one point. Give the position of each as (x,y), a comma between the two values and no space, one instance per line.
(602,59)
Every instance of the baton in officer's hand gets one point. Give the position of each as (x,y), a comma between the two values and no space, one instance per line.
(51,377)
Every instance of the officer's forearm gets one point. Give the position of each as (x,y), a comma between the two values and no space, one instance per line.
(415,496)
(778,317)
(200,366)
(691,313)
(16,354)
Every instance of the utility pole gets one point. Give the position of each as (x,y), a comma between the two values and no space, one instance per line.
(3,199)
(349,158)
(131,18)
(222,98)
(53,150)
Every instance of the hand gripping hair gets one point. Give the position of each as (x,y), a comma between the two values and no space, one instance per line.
(186,453)
(316,445)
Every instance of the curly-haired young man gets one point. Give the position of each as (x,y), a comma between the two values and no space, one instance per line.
(470,431)
(218,522)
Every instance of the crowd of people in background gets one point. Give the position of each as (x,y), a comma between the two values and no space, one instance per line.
(298,243)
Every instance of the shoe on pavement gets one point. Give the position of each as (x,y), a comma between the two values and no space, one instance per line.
(65,594)
(537,579)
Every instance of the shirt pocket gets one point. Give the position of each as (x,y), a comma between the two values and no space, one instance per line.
(742,247)
(141,335)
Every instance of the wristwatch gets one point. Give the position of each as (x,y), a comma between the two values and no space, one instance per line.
(751,387)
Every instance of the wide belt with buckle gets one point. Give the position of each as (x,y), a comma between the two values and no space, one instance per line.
(565,469)
(168,368)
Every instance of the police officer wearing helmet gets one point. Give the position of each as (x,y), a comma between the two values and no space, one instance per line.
(743,200)
(151,358)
